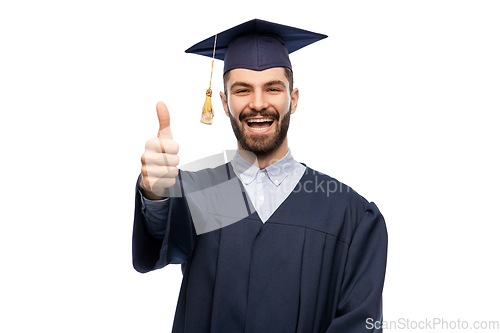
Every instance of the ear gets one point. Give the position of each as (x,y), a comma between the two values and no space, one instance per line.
(295,100)
(223,99)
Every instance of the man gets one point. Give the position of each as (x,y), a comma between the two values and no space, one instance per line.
(266,243)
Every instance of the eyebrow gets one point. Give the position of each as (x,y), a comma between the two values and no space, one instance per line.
(275,82)
(241,84)
(267,84)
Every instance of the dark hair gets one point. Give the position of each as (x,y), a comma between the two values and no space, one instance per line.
(288,74)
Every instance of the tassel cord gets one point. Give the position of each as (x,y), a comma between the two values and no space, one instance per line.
(207,111)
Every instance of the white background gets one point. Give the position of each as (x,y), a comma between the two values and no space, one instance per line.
(401,102)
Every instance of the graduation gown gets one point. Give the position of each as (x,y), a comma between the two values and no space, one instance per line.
(317,265)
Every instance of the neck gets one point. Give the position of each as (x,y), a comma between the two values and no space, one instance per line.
(263,161)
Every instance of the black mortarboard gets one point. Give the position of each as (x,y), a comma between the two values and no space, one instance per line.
(256,45)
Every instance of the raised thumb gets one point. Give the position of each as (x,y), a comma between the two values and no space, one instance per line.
(164,120)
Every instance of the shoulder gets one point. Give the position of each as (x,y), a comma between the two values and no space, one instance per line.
(206,177)
(330,205)
(329,190)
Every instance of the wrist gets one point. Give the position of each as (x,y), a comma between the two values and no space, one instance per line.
(146,192)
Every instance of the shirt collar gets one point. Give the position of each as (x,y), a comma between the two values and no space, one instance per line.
(277,172)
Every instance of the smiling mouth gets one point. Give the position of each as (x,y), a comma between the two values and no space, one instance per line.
(260,124)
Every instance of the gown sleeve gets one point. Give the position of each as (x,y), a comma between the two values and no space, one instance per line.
(360,302)
(155,214)
(150,252)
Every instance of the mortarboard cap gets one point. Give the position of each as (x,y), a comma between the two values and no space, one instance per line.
(256,45)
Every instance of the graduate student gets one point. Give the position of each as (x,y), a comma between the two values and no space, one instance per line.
(266,244)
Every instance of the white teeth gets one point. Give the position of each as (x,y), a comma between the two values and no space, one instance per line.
(259,129)
(262,120)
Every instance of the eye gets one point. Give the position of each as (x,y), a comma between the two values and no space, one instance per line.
(241,91)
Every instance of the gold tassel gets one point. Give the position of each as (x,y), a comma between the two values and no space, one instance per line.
(207,111)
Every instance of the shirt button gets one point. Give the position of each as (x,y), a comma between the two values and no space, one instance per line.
(261,198)
(262,174)
(247,180)
(276,181)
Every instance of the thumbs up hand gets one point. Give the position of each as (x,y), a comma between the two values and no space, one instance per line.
(160,159)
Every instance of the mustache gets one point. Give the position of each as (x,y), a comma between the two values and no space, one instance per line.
(263,113)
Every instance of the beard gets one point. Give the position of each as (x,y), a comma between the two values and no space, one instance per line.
(261,144)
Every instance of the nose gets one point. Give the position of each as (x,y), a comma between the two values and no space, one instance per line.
(258,101)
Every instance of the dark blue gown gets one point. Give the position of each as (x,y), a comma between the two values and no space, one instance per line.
(317,265)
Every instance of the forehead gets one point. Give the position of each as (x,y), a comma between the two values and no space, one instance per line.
(257,78)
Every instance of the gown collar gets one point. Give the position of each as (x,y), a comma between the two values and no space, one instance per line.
(277,172)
